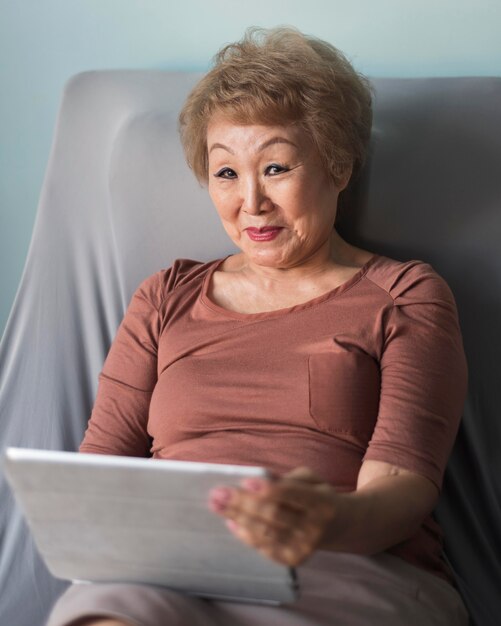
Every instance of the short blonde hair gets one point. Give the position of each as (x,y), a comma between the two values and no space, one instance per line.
(281,76)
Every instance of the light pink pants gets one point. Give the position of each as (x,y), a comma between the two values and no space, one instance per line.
(336,589)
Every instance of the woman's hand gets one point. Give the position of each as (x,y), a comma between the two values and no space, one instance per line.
(284,518)
(288,518)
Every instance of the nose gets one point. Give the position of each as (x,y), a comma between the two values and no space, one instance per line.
(254,198)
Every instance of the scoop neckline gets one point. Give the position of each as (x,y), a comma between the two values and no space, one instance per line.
(206,301)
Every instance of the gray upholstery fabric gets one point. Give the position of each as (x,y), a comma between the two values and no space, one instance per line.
(432,190)
(118,203)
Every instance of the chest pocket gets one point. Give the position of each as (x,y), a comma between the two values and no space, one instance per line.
(344,392)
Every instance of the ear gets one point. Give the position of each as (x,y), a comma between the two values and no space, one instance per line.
(344,178)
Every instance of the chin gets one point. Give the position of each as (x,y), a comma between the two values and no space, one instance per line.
(267,258)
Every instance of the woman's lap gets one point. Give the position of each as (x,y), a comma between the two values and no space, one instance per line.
(141,605)
(344,589)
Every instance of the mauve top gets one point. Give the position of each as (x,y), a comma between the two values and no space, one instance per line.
(374,369)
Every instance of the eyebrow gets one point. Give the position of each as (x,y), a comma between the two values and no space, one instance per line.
(264,145)
(220,145)
(275,140)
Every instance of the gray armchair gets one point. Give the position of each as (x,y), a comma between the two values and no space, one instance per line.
(115,199)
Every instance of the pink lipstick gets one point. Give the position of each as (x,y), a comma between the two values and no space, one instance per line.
(267,233)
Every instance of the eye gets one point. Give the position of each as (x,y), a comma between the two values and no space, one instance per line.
(227,173)
(275,169)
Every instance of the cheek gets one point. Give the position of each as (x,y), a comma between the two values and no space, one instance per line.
(312,217)
(224,206)
(219,200)
(323,203)
(300,198)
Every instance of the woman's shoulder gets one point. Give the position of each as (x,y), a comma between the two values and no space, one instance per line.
(413,278)
(156,287)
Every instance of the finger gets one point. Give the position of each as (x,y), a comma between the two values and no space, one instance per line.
(269,477)
(261,531)
(299,475)
(284,504)
(260,534)
(258,485)
(257,534)
(219,498)
(229,500)
(304,496)
(296,494)
(289,554)
(247,509)
(277,525)
(289,547)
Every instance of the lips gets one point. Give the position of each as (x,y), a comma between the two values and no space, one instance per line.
(263,229)
(265,233)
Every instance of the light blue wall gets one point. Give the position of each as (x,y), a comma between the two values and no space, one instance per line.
(44,42)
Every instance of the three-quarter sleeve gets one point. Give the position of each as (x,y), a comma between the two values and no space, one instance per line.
(423,376)
(118,423)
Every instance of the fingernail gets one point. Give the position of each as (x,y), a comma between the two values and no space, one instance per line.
(220,496)
(253,484)
(231,524)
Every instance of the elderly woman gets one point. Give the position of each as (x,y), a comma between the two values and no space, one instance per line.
(340,370)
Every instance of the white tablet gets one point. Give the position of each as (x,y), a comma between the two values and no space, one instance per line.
(98,518)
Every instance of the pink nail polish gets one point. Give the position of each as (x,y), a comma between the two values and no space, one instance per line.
(220,495)
(215,506)
(253,485)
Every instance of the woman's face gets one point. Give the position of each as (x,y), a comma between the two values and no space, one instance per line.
(273,196)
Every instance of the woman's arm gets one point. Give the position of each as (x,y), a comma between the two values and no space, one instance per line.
(118,424)
(387,508)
